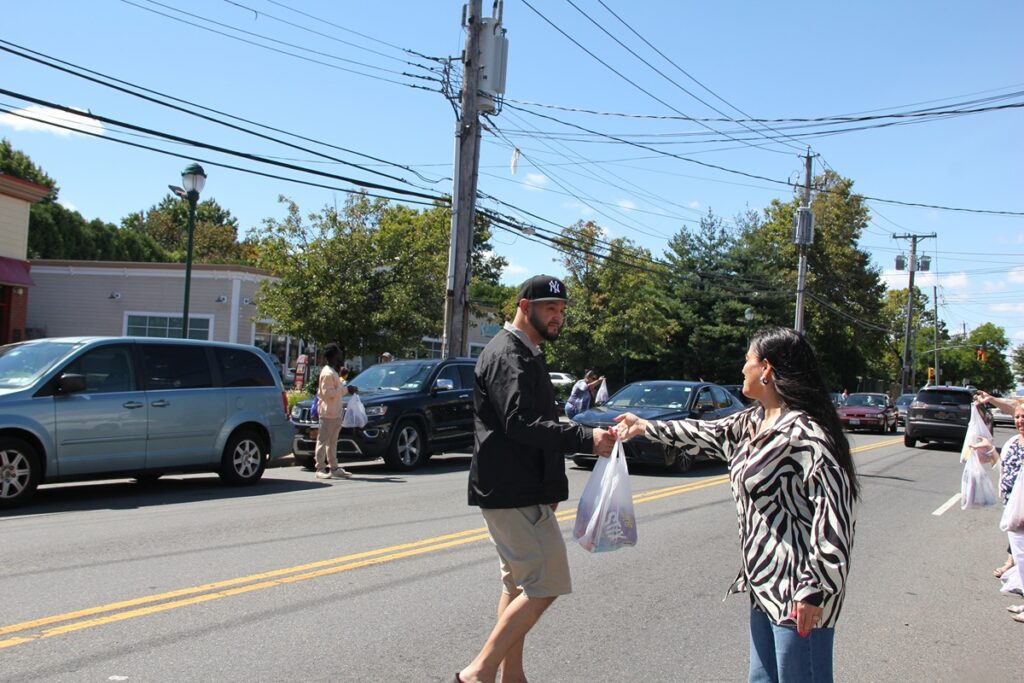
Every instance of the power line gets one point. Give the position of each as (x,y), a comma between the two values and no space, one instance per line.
(74,69)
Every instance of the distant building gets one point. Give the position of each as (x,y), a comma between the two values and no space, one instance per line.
(16,196)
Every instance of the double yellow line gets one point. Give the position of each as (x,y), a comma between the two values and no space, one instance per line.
(69,622)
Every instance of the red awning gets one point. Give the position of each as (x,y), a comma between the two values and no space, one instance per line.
(14,272)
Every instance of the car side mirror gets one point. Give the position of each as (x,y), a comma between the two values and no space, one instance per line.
(444,385)
(69,383)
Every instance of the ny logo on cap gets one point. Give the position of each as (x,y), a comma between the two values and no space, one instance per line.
(553,286)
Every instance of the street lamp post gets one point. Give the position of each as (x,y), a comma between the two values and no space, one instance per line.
(193,179)
(748,315)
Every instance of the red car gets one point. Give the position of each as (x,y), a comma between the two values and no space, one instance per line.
(876,412)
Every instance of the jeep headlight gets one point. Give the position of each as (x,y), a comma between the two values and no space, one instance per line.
(296,411)
(376,411)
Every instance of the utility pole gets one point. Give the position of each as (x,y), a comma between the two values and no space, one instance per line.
(467,160)
(803,236)
(935,315)
(905,375)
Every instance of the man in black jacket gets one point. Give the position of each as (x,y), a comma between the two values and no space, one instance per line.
(517,476)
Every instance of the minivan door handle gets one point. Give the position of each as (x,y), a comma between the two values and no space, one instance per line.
(131,405)
(464,396)
(160,404)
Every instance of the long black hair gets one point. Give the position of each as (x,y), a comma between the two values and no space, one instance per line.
(800,385)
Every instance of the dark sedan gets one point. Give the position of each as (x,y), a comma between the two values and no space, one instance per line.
(876,412)
(659,400)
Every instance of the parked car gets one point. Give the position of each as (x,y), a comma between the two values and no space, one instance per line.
(659,400)
(737,391)
(868,411)
(562,379)
(413,407)
(1001,419)
(902,404)
(108,407)
(940,413)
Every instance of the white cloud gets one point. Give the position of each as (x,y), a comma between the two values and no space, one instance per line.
(515,269)
(1019,335)
(41,118)
(694,204)
(67,205)
(626,204)
(1016,276)
(535,181)
(955,281)
(954,284)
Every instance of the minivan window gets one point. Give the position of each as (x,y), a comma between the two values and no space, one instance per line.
(22,364)
(241,368)
(169,366)
(960,398)
(106,369)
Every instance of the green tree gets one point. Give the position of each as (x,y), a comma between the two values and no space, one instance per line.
(18,164)
(369,277)
(1018,363)
(961,365)
(55,232)
(215,238)
(844,298)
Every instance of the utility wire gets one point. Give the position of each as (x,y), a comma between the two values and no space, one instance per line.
(74,69)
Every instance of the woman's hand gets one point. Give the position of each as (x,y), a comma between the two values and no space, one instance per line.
(807,617)
(981,398)
(629,425)
(984,449)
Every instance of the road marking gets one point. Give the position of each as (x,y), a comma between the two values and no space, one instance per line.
(948,504)
(194,595)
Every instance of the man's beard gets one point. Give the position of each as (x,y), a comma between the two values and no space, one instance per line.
(542,329)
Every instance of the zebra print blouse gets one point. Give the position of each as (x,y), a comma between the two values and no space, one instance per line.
(794,504)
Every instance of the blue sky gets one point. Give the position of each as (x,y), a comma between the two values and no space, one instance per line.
(768,60)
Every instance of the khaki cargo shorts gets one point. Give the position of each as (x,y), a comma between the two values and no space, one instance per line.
(531,550)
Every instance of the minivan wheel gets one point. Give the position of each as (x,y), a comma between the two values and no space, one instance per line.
(244,459)
(908,440)
(408,449)
(19,471)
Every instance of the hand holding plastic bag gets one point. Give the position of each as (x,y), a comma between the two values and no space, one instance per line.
(602,393)
(976,431)
(604,517)
(355,413)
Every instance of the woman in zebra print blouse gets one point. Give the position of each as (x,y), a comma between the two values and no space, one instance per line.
(793,480)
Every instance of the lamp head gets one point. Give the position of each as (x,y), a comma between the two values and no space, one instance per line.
(193,178)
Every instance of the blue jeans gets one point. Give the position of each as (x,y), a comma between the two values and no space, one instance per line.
(778,654)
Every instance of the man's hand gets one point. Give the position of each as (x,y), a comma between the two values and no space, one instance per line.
(629,425)
(604,441)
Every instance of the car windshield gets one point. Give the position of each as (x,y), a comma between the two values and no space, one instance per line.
(641,395)
(395,376)
(956,398)
(874,400)
(905,400)
(22,364)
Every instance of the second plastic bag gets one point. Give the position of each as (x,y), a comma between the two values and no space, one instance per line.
(604,517)
(976,490)
(1013,513)
(976,431)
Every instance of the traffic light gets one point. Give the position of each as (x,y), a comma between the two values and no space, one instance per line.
(931,374)
(982,354)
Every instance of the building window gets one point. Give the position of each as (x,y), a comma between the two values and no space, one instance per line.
(430,347)
(475,349)
(166,326)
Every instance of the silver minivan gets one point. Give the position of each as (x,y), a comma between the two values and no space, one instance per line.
(80,408)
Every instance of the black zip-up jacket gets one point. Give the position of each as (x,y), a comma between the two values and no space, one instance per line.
(519,444)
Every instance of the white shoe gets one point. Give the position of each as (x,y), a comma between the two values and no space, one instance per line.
(1016,609)
(341,473)
(322,475)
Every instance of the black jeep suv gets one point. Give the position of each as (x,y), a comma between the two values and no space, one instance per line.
(940,413)
(413,407)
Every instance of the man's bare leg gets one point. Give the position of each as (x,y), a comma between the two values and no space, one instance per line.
(512,665)
(505,644)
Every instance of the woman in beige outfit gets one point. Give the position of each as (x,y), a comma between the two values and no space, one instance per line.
(331,410)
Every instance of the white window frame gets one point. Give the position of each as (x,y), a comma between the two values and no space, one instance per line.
(164,314)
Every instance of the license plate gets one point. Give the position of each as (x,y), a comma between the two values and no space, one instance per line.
(941,416)
(855,422)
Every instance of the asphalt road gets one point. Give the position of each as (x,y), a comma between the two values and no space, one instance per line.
(389,577)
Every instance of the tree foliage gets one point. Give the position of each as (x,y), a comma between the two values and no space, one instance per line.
(215,236)
(55,232)
(16,163)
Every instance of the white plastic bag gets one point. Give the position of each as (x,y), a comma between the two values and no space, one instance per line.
(604,517)
(976,490)
(602,393)
(1013,513)
(976,431)
(355,413)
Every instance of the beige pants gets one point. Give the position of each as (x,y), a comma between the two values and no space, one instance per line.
(327,444)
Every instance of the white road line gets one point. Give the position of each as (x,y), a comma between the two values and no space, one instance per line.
(948,504)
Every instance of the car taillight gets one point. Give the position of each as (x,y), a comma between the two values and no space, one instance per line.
(284,401)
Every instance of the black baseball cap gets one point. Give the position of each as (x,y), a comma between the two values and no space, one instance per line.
(543,288)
